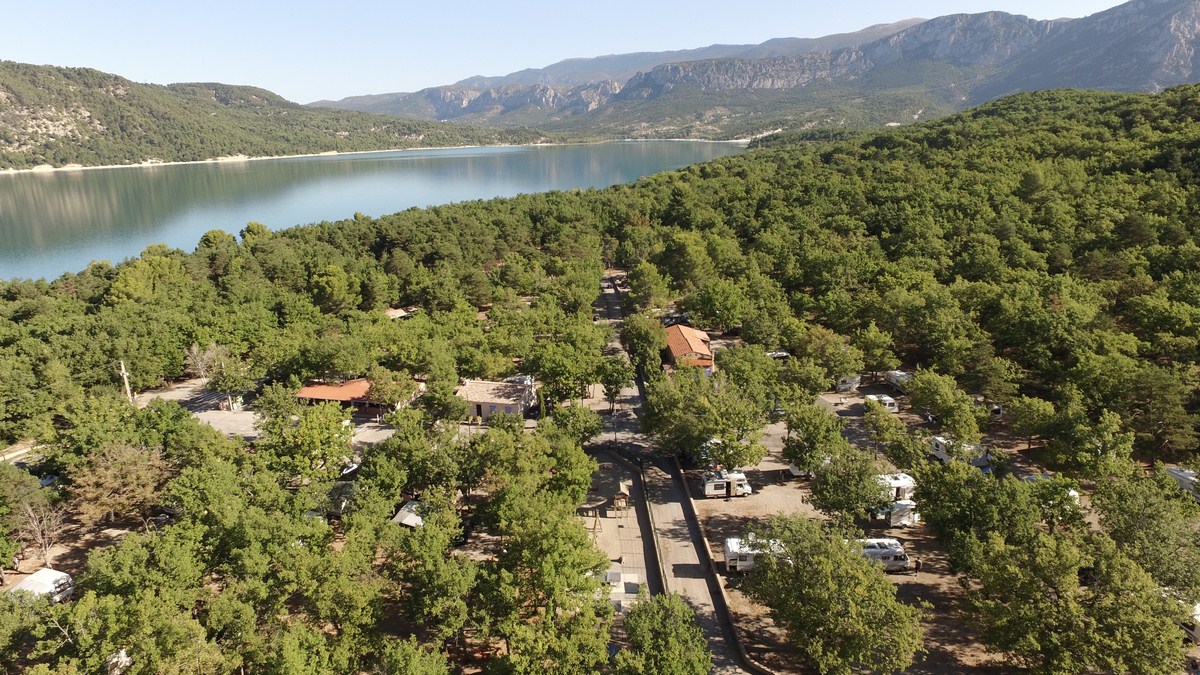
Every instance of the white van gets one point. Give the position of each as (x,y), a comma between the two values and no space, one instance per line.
(887,552)
(717,484)
(58,586)
(888,403)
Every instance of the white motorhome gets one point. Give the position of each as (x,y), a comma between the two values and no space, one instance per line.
(1186,480)
(740,552)
(726,484)
(1071,492)
(942,448)
(410,515)
(58,586)
(898,379)
(887,552)
(1192,626)
(900,513)
(888,403)
(898,485)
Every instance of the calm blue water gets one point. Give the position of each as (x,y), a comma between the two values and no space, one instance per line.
(53,223)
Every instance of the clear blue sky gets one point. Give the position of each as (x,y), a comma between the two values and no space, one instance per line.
(307,50)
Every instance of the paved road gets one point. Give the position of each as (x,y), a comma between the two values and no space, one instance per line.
(679,540)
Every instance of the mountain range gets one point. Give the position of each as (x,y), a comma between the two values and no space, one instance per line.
(889,73)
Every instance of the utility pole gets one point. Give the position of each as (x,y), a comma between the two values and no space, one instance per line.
(125,378)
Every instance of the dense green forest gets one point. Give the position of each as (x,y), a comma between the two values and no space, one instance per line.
(60,116)
(1041,251)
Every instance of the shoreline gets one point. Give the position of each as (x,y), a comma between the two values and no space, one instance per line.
(71,168)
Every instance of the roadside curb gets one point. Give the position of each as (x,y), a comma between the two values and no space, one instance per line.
(720,600)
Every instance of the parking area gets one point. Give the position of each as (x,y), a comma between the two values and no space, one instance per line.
(950,638)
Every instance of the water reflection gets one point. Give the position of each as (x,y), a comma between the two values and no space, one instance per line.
(51,223)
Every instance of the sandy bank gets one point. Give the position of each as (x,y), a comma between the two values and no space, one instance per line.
(46,168)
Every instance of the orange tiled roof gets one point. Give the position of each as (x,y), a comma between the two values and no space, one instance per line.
(685,341)
(353,390)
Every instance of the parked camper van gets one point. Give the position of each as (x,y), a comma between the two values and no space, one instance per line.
(888,552)
(888,403)
(898,379)
(58,586)
(740,552)
(726,483)
(941,449)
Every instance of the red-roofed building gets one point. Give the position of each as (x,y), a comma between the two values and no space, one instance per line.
(688,347)
(353,392)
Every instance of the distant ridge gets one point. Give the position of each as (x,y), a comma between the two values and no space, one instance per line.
(52,116)
(888,73)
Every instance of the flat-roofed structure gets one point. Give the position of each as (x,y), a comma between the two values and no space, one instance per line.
(485,398)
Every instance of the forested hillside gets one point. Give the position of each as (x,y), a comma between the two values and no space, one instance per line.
(60,116)
(1043,248)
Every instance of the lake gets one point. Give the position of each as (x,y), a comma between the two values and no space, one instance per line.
(57,222)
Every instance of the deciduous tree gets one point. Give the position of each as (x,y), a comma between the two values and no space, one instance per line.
(1033,607)
(1157,525)
(836,606)
(1030,416)
(664,638)
(846,486)
(953,409)
(119,480)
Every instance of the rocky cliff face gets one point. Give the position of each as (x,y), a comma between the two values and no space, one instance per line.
(963,40)
(969,40)
(457,102)
(1143,45)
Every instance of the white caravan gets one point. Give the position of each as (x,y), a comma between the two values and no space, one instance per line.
(888,552)
(901,513)
(1192,626)
(1071,492)
(718,484)
(848,384)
